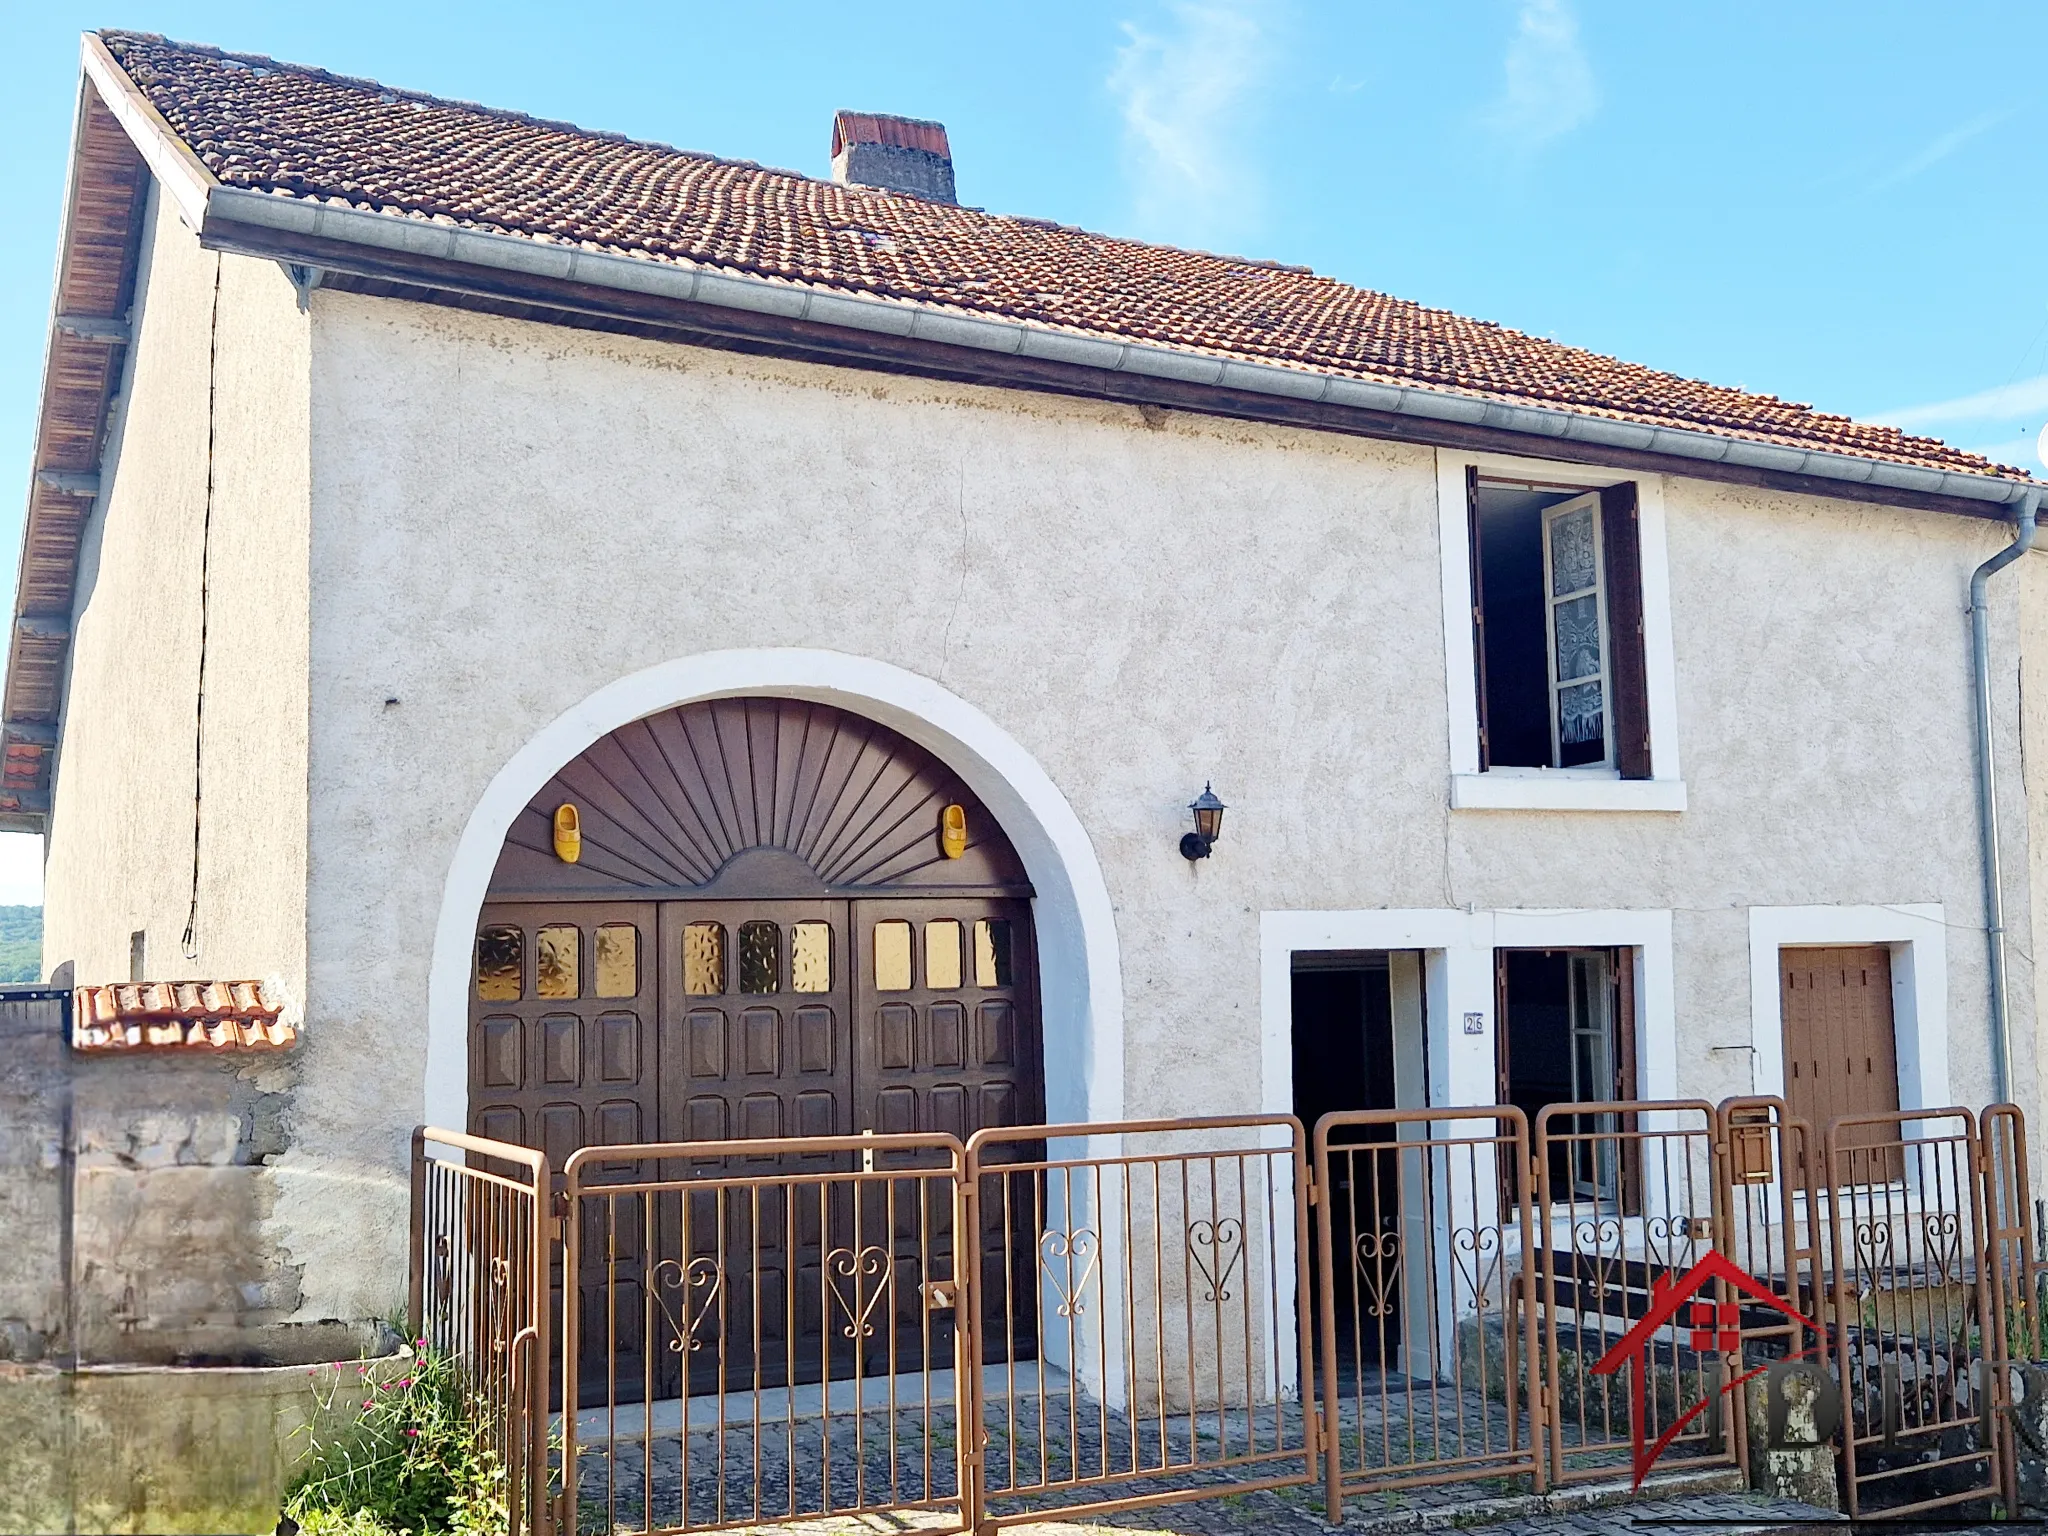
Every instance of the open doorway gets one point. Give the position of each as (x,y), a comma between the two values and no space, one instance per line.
(1567,1036)
(1344,1060)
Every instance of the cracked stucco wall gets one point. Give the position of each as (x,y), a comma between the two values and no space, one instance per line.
(509,516)
(177,1177)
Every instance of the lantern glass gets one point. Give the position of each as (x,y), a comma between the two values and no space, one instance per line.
(1208,815)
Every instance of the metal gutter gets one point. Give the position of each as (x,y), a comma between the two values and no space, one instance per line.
(1987,790)
(724,288)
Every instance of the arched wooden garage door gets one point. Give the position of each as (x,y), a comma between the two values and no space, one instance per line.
(765,932)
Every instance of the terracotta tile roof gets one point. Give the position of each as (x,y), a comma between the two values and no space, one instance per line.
(307,134)
(161,1015)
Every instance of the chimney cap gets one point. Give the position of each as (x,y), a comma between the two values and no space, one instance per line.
(851,128)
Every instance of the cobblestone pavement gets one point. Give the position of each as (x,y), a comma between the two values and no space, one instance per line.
(794,1466)
(786,1469)
(1602,1512)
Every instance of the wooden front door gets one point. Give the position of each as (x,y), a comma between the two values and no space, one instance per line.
(751,919)
(755,1020)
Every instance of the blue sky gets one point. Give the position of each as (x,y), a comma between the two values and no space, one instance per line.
(1835,203)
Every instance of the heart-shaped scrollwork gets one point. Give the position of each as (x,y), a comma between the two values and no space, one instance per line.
(1217,1246)
(1074,1252)
(697,1285)
(1873,1246)
(858,1268)
(1944,1245)
(1377,1266)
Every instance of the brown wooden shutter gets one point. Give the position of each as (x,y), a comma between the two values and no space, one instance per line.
(1500,1026)
(1622,553)
(1623,964)
(1840,1050)
(1622,968)
(1478,611)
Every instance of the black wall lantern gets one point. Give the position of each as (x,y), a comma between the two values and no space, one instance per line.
(1208,812)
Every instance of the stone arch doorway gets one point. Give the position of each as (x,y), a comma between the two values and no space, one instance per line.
(765,917)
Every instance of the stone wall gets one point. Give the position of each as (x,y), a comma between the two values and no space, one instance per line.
(34,1199)
(134,1193)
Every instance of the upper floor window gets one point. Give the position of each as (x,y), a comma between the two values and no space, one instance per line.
(1557,621)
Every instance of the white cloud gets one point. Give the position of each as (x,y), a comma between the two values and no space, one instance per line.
(1550,88)
(2027,397)
(1187,92)
(1938,150)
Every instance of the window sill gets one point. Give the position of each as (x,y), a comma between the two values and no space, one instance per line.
(1563,791)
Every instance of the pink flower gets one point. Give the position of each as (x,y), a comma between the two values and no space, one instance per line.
(412,1431)
(406,1382)
(423,1344)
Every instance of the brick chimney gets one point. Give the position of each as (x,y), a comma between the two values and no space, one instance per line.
(900,154)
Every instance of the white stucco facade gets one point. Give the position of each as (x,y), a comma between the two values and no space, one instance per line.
(510,538)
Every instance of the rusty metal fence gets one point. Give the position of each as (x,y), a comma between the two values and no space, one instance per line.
(1072,1320)
(1627,1202)
(481,1241)
(1170,1358)
(763,1331)
(1918,1321)
(1425,1235)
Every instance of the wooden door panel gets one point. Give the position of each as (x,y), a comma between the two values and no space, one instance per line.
(951,1044)
(744,1055)
(680,1060)
(1839,1042)
(555,1065)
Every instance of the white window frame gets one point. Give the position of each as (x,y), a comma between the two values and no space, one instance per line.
(1551,603)
(1555,789)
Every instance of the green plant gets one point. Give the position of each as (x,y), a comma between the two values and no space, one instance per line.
(413,1462)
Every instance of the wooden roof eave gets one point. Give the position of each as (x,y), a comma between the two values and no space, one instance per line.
(84,352)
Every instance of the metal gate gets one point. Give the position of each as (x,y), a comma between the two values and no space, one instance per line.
(1424,1234)
(1170,1359)
(1071,1320)
(1625,1192)
(478,1295)
(791,1310)
(1919,1329)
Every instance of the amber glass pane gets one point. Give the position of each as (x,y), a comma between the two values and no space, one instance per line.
(892,957)
(810,957)
(499,956)
(992,952)
(704,959)
(554,963)
(942,954)
(615,957)
(760,957)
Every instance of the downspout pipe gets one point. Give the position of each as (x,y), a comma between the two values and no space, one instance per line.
(1987,791)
